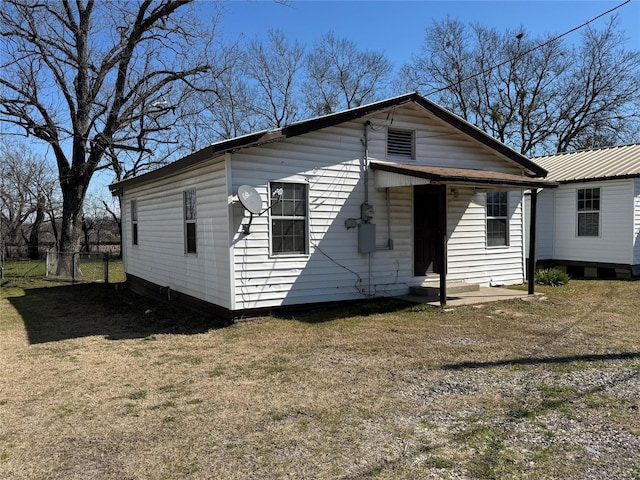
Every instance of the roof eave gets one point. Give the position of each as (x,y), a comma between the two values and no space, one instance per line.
(306,126)
(599,179)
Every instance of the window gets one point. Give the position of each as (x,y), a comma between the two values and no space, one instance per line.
(190,221)
(400,143)
(497,219)
(588,212)
(288,218)
(134,222)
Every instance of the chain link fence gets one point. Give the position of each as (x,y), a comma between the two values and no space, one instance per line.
(83,267)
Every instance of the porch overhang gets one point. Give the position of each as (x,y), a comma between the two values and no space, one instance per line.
(389,175)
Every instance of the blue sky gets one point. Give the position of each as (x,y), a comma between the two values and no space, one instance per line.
(397,28)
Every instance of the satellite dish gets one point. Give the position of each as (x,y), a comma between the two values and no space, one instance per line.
(250,199)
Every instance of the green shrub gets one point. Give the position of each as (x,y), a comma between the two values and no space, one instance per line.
(551,276)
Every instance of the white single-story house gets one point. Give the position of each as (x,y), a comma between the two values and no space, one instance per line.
(363,203)
(590,224)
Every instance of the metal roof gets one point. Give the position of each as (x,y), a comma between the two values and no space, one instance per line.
(591,165)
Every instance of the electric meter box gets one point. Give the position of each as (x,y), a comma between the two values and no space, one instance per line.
(367,237)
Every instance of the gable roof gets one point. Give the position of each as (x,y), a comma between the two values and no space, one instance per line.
(317,123)
(605,163)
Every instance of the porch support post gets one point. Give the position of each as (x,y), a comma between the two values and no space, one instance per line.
(443,245)
(532,241)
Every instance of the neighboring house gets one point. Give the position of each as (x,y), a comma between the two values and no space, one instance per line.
(358,204)
(590,224)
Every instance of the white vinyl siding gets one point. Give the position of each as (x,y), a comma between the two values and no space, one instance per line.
(160,257)
(545,224)
(636,221)
(328,162)
(436,143)
(614,244)
(470,260)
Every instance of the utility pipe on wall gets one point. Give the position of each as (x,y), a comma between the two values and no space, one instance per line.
(366,161)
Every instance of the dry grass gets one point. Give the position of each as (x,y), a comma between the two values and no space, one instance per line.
(92,387)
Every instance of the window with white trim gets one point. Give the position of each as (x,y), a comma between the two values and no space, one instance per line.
(190,229)
(497,219)
(289,215)
(588,212)
(134,222)
(400,143)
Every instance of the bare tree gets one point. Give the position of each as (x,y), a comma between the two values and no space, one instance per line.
(27,186)
(93,80)
(534,94)
(114,213)
(33,241)
(227,110)
(273,67)
(99,223)
(341,76)
(601,102)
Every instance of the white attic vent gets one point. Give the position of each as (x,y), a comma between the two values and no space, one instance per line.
(400,143)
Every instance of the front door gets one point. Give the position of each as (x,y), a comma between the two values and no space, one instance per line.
(427,205)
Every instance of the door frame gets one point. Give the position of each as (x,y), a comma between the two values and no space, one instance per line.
(437,235)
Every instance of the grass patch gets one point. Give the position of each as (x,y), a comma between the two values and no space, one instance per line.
(35,271)
(440,463)
(163,405)
(137,395)
(551,276)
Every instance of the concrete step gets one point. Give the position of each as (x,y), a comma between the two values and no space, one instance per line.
(452,289)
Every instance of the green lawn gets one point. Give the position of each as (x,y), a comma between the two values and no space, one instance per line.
(90,270)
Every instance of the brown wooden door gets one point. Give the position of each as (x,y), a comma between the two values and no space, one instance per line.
(426,229)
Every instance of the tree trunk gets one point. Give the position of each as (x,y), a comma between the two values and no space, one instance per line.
(86,228)
(73,194)
(33,244)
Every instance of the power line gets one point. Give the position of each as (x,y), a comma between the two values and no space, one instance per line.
(533,48)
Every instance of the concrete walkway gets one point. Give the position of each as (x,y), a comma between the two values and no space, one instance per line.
(484,295)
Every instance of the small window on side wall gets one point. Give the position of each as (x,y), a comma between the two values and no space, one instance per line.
(497,219)
(588,212)
(134,222)
(190,230)
(289,215)
(400,143)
